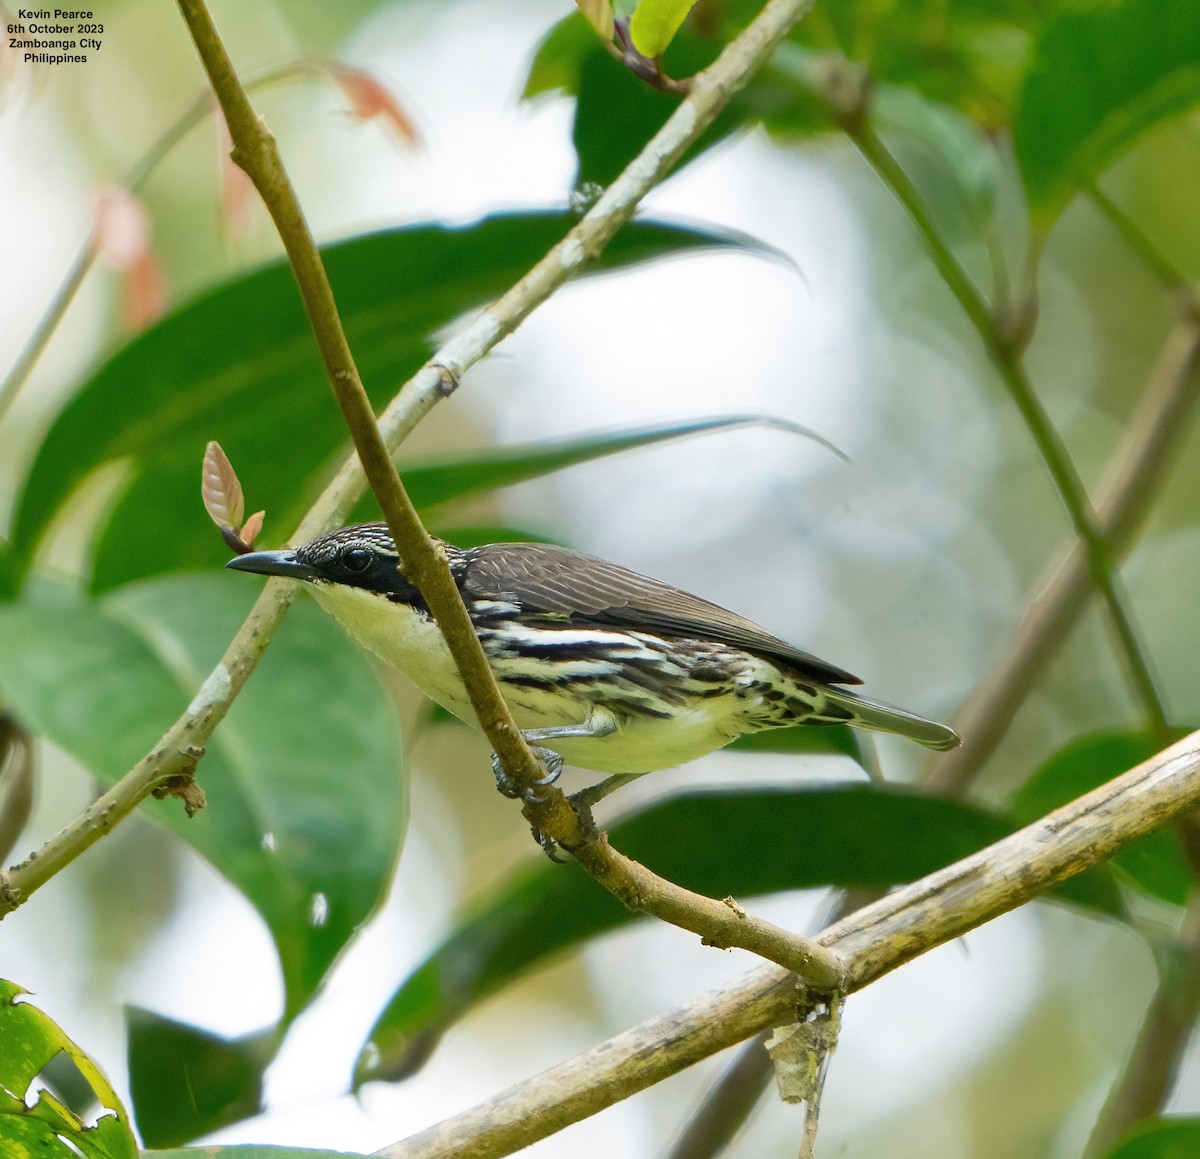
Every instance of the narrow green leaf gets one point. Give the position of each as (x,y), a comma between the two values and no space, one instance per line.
(239,365)
(717,843)
(1156,863)
(450,477)
(306,805)
(1102,75)
(47,1127)
(1173,1138)
(655,23)
(186,1082)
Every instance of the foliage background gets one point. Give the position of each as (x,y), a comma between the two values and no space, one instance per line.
(910,566)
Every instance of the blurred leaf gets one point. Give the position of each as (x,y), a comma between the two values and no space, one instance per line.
(239,364)
(655,23)
(9,578)
(306,803)
(616,113)
(557,60)
(16,782)
(599,15)
(1155,863)
(1173,1138)
(713,843)
(47,1127)
(186,1082)
(452,476)
(952,161)
(1102,75)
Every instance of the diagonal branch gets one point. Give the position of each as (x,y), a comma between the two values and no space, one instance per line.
(1132,481)
(1004,350)
(872,942)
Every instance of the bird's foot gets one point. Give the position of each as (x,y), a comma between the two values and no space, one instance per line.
(508,786)
(548,844)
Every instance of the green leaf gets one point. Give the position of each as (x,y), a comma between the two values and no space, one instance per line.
(239,365)
(717,843)
(655,23)
(186,1082)
(453,476)
(1102,76)
(1174,1138)
(1155,863)
(48,1127)
(306,804)
(947,155)
(557,60)
(616,113)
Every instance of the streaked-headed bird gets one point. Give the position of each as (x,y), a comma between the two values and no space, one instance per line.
(610,670)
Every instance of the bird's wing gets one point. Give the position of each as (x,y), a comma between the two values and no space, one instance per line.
(556,580)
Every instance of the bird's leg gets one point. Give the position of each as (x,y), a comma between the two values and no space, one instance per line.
(550,761)
(600,723)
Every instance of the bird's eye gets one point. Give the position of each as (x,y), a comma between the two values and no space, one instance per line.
(357,560)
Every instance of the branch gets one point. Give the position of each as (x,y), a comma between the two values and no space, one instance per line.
(727,1104)
(1004,350)
(872,942)
(1153,1063)
(1133,479)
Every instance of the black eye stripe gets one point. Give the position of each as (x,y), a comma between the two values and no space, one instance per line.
(357,559)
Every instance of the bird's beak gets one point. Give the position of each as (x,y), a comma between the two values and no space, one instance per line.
(273,563)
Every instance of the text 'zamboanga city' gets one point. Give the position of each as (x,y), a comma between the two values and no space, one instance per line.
(55,35)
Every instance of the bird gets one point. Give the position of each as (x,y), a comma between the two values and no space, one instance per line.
(601,667)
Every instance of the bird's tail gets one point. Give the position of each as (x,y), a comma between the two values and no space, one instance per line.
(880,717)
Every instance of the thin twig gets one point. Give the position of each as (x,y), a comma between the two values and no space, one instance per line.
(1134,477)
(1004,350)
(727,1104)
(872,942)
(1159,264)
(1152,1066)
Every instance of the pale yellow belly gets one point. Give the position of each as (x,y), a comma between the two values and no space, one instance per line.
(414,645)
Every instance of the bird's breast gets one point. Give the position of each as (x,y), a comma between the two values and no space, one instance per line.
(402,636)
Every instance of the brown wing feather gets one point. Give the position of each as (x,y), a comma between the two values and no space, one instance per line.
(555,579)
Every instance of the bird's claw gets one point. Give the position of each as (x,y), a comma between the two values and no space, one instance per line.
(552,765)
(548,844)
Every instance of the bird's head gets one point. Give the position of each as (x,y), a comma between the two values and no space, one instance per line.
(362,556)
